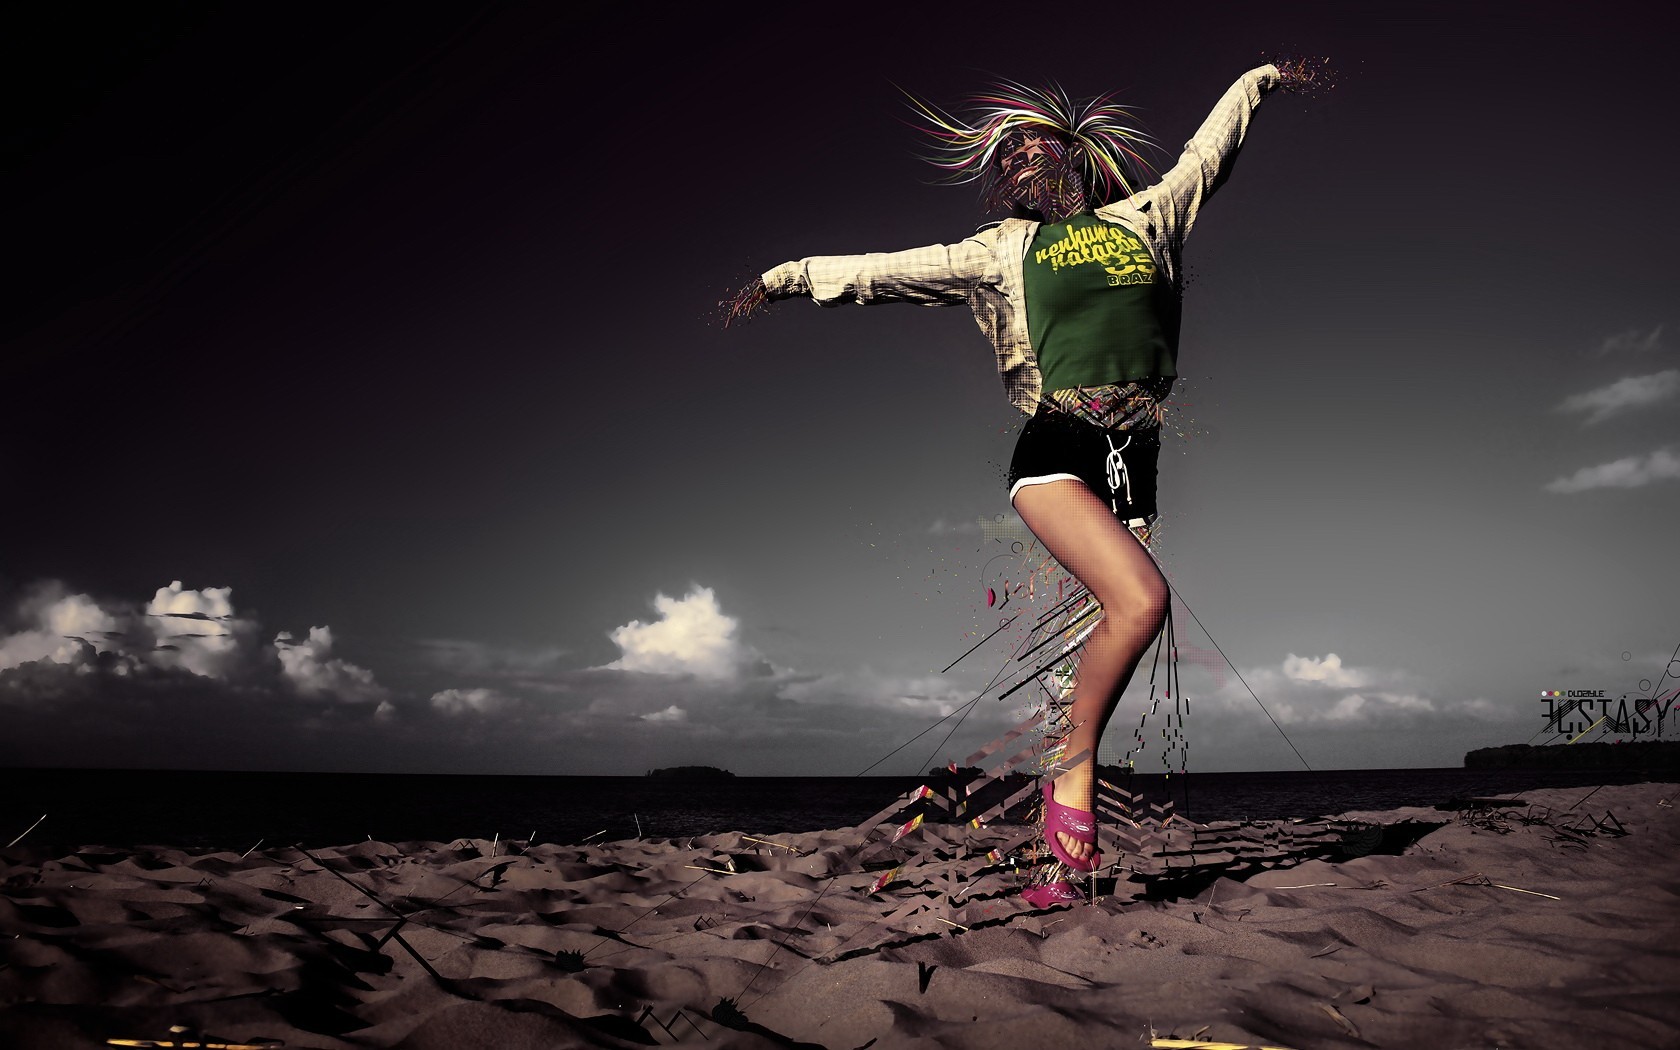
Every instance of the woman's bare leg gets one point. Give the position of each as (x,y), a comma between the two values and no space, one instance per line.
(1081,533)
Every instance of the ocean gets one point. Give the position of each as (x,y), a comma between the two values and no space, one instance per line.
(237,810)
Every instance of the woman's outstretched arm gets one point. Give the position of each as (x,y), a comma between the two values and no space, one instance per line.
(936,275)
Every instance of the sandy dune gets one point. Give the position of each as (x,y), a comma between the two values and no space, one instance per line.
(1516,926)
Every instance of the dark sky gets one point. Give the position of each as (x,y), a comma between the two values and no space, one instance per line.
(395,323)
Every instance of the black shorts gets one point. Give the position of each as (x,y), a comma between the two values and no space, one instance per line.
(1119,466)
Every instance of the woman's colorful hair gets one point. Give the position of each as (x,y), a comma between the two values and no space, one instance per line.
(966,148)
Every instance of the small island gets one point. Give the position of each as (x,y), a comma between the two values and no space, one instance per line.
(692,773)
(1644,755)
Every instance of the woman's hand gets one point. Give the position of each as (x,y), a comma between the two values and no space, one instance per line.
(750,300)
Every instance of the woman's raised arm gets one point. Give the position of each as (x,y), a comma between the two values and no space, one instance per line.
(1211,153)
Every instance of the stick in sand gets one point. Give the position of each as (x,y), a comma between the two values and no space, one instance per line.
(188,1039)
(1203,1045)
(26,831)
(767,842)
(1486,882)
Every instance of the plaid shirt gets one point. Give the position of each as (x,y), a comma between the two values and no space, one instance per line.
(985,271)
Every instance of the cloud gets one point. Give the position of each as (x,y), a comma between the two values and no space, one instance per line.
(86,681)
(182,680)
(918,696)
(1630,473)
(1306,690)
(462,701)
(1356,706)
(776,720)
(1328,671)
(195,632)
(691,637)
(1393,718)
(62,628)
(1627,394)
(1630,341)
(313,671)
(1362,707)
(198,631)
(685,691)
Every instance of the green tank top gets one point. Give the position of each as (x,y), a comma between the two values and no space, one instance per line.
(1098,309)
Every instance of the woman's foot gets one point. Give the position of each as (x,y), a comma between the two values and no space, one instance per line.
(1052,894)
(1069,798)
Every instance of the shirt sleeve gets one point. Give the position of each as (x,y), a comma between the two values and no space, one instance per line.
(937,275)
(1210,154)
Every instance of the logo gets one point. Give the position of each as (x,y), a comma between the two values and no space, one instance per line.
(1572,712)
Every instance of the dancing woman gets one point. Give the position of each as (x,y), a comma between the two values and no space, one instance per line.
(1079,292)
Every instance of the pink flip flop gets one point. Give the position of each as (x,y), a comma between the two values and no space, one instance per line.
(1075,823)
(1061,892)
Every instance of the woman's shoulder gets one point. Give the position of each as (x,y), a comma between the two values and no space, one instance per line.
(1134,213)
(1126,207)
(1000,229)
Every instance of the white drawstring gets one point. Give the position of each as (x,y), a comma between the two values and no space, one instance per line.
(1117,473)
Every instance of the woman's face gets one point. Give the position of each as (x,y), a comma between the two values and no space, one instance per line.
(1026,161)
(1023,158)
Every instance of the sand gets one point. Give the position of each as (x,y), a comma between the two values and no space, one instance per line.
(1518,925)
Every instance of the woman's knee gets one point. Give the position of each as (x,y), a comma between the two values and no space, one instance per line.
(1141,602)
(1157,597)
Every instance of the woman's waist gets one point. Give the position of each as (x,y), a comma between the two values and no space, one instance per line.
(1132,405)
